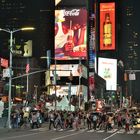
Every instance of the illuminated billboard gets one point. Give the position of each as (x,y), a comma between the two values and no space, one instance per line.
(64,70)
(107,26)
(63,90)
(107,69)
(23,50)
(92,41)
(70,34)
(67,70)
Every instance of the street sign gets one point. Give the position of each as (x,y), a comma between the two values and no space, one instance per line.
(6,73)
(132,76)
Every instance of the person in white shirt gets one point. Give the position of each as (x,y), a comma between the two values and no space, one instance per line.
(1,107)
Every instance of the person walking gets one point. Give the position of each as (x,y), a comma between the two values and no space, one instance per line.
(51,117)
(88,118)
(94,121)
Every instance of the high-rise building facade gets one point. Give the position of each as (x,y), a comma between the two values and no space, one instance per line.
(129,43)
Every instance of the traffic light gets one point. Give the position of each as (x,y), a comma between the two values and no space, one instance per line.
(113,96)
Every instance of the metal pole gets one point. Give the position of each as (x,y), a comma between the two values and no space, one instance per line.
(55,82)
(27,90)
(27,86)
(69,95)
(79,82)
(10,79)
(120,97)
(36,93)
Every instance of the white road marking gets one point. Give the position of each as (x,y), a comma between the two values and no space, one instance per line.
(131,132)
(72,130)
(20,136)
(110,136)
(39,129)
(91,130)
(100,131)
(112,131)
(138,132)
(121,131)
(62,137)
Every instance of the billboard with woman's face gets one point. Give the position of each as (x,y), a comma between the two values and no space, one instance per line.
(70,34)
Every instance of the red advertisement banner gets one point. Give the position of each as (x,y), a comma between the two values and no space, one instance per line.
(107,26)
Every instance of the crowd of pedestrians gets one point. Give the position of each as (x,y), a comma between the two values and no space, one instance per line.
(60,120)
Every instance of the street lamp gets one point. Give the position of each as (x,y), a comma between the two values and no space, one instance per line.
(80,75)
(11,32)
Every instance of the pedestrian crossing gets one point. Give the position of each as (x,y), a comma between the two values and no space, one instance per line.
(121,131)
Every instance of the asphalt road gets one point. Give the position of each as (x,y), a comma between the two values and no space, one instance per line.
(83,134)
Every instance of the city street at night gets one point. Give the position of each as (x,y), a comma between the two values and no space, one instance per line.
(44,134)
(69,70)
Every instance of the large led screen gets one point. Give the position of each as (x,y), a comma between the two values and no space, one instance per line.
(64,90)
(107,26)
(67,70)
(92,41)
(107,69)
(70,34)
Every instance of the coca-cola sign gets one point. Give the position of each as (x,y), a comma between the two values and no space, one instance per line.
(74,12)
(70,34)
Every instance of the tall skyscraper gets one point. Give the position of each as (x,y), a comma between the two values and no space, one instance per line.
(128,45)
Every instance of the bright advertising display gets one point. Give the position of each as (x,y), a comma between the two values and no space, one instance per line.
(64,70)
(92,41)
(23,50)
(70,34)
(107,26)
(107,69)
(64,90)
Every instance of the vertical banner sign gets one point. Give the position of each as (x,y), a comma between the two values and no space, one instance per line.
(27,68)
(107,26)
(92,41)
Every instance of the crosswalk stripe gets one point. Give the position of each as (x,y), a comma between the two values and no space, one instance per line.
(43,129)
(100,131)
(138,132)
(72,130)
(121,131)
(82,130)
(112,131)
(131,132)
(91,130)
(39,129)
